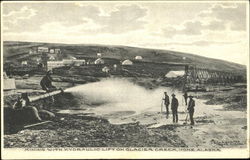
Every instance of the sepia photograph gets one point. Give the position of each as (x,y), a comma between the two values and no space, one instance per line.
(124,79)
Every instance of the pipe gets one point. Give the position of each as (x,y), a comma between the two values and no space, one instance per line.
(36,124)
(35,98)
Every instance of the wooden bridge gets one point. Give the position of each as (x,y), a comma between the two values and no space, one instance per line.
(208,76)
(197,78)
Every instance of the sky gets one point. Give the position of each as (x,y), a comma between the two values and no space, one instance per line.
(212,29)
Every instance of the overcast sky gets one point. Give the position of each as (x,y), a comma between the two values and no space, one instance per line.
(217,30)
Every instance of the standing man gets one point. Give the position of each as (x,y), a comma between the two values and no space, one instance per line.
(166,102)
(174,107)
(190,108)
(185,95)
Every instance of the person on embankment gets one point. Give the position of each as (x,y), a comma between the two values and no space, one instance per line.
(174,107)
(166,103)
(190,109)
(46,82)
(23,112)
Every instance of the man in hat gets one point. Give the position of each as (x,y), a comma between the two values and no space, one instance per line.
(174,107)
(166,102)
(46,82)
(190,108)
(185,95)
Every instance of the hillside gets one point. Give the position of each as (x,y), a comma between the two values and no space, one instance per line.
(14,51)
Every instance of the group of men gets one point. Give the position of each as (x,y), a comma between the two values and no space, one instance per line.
(46,84)
(175,104)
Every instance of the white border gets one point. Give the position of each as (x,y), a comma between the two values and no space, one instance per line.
(225,153)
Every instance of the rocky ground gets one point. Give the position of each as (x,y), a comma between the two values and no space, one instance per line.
(235,99)
(87,131)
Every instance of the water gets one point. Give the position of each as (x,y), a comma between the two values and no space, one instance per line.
(120,95)
(116,98)
(122,101)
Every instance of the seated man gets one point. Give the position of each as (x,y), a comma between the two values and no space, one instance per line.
(28,113)
(23,112)
(46,82)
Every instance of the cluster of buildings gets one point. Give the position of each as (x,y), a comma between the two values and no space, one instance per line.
(65,62)
(50,52)
(80,62)
(36,50)
(53,62)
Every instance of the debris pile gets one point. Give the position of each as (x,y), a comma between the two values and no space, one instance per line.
(85,131)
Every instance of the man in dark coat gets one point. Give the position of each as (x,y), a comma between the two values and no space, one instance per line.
(174,107)
(185,95)
(23,112)
(46,82)
(190,108)
(166,102)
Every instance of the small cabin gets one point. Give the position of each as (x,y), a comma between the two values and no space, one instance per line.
(24,63)
(67,62)
(54,64)
(57,51)
(43,49)
(79,62)
(32,51)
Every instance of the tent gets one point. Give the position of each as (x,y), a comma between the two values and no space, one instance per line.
(51,51)
(99,61)
(8,83)
(24,62)
(52,58)
(99,54)
(174,74)
(105,69)
(127,62)
(138,57)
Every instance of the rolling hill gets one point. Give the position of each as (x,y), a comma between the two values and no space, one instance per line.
(14,51)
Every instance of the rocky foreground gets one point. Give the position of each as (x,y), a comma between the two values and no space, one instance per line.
(86,131)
